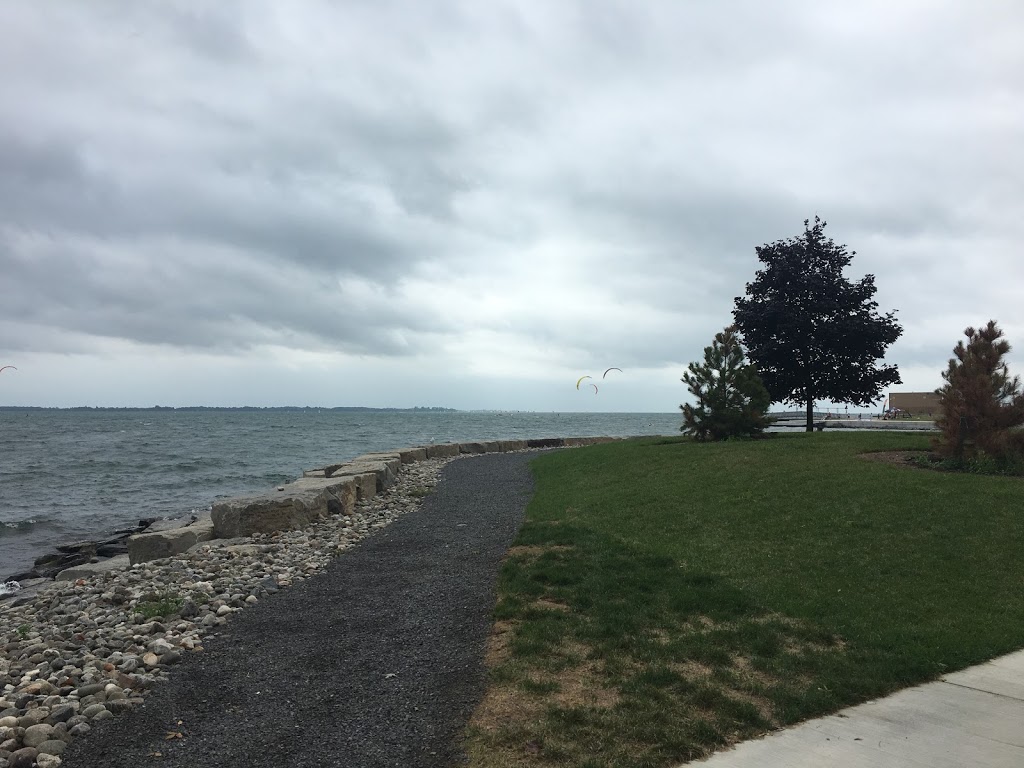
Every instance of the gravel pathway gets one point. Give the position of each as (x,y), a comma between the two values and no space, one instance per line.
(378,661)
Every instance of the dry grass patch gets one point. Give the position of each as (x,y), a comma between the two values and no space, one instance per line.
(511,726)
(550,604)
(497,648)
(575,703)
(693,671)
(532,552)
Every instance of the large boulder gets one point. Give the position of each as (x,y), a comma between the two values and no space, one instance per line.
(442,450)
(366,482)
(545,442)
(385,467)
(144,547)
(412,455)
(294,505)
(492,446)
(574,442)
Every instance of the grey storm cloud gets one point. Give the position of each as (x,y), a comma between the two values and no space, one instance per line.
(316,174)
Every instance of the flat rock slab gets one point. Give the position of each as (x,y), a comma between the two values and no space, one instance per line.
(969,718)
(88,570)
(378,661)
(147,546)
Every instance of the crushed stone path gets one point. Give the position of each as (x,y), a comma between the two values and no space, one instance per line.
(378,661)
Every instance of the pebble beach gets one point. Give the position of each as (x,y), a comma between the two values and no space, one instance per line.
(82,652)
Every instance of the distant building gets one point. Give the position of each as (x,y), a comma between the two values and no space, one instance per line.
(917,403)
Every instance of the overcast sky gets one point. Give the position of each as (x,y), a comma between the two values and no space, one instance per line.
(473,204)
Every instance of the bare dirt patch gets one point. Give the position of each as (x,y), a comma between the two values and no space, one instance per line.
(497,651)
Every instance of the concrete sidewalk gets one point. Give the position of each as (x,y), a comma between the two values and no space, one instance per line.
(971,718)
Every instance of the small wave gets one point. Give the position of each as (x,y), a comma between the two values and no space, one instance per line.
(9,587)
(18,525)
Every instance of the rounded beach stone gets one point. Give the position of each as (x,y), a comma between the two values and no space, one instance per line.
(22,758)
(93,709)
(160,647)
(48,761)
(52,747)
(37,734)
(61,714)
(33,716)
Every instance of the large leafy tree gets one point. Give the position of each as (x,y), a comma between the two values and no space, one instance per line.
(731,400)
(812,333)
(981,402)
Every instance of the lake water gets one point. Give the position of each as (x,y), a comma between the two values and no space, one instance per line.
(66,475)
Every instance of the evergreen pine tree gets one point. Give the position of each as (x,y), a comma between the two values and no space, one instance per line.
(981,403)
(731,399)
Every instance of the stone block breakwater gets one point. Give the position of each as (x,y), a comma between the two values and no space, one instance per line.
(94,642)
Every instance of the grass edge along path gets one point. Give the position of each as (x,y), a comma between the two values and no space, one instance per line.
(665,598)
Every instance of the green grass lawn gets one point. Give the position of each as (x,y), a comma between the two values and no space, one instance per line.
(665,598)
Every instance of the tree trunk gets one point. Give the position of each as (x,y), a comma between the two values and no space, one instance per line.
(810,413)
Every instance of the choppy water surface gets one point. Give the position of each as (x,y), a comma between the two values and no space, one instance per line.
(67,475)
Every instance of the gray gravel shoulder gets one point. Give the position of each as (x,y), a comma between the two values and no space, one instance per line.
(377,661)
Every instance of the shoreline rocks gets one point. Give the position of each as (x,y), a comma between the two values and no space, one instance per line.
(81,650)
(85,650)
(70,555)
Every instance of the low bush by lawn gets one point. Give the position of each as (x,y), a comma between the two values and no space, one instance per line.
(665,598)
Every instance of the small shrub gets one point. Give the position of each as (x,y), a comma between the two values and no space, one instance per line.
(153,605)
(977,464)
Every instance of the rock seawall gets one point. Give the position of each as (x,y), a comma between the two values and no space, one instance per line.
(92,645)
(331,489)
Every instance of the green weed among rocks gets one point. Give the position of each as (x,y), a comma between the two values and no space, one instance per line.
(153,605)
